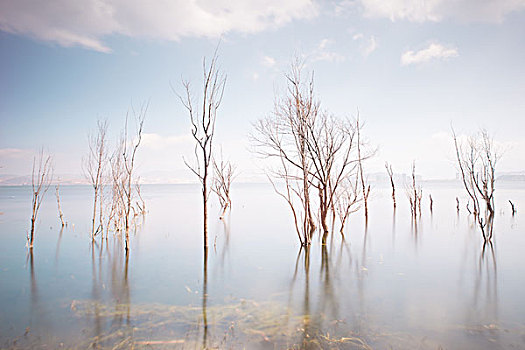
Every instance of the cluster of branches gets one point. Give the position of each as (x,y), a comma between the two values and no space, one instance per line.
(315,152)
(415,194)
(223,174)
(117,199)
(477,158)
(41,177)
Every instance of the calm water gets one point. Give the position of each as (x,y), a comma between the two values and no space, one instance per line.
(388,286)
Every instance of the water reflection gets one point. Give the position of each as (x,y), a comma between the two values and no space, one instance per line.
(57,250)
(450,291)
(205,299)
(33,290)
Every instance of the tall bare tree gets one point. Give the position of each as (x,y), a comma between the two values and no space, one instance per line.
(332,152)
(365,187)
(283,135)
(94,168)
(477,159)
(391,176)
(41,177)
(316,151)
(203,126)
(127,180)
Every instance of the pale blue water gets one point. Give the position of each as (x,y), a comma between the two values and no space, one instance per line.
(392,284)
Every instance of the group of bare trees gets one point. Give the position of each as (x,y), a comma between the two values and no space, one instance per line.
(116,189)
(318,167)
(317,155)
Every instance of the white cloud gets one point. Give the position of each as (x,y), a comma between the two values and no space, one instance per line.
(323,53)
(434,51)
(369,47)
(366,46)
(86,23)
(357,36)
(438,10)
(268,61)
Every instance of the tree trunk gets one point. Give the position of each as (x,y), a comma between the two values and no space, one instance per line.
(205,209)
(94,217)
(32,232)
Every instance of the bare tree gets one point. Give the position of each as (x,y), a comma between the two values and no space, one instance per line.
(127,179)
(41,177)
(361,159)
(283,135)
(431,202)
(60,214)
(512,207)
(140,203)
(315,150)
(347,200)
(332,151)
(414,194)
(94,167)
(224,173)
(391,176)
(115,212)
(477,160)
(203,127)
(293,192)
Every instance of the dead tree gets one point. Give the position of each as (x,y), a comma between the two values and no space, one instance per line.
(224,173)
(203,127)
(347,200)
(512,207)
(283,136)
(127,179)
(60,214)
(391,176)
(333,154)
(140,203)
(94,167)
(477,160)
(457,204)
(41,177)
(292,193)
(115,211)
(414,194)
(364,186)
(431,203)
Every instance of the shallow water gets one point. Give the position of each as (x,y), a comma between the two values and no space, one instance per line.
(389,284)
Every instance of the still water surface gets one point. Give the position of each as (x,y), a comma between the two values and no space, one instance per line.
(389,285)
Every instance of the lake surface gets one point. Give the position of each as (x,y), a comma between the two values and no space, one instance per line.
(389,285)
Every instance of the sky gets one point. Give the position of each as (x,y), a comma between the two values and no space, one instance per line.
(412,68)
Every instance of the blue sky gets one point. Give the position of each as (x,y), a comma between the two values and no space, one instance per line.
(412,68)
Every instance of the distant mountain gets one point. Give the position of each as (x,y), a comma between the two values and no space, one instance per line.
(64,179)
(511,176)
